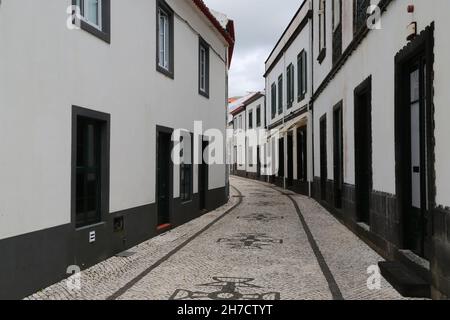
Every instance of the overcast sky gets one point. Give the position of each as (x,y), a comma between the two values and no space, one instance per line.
(259,24)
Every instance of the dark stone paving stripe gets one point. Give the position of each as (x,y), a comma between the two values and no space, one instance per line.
(147,271)
(332,284)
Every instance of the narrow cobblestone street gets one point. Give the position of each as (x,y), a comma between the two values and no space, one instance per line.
(264,244)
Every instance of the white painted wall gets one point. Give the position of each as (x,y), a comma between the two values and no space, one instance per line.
(302,42)
(375,56)
(252,107)
(46,68)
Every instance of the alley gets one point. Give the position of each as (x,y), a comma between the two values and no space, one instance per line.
(264,244)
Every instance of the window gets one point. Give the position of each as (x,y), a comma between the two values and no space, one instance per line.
(203,68)
(290,85)
(337,30)
(250,119)
(258,116)
(337,7)
(360,14)
(165,39)
(186,171)
(273,95)
(95,17)
(90,158)
(302,73)
(280,94)
(322,30)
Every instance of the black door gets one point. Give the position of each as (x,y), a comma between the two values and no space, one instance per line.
(363,150)
(258,162)
(290,161)
(414,181)
(323,158)
(338,156)
(203,177)
(281,173)
(302,159)
(164,168)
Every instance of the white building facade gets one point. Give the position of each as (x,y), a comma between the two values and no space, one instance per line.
(249,123)
(89,100)
(288,80)
(380,129)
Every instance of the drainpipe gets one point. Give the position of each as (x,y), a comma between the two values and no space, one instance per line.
(311,103)
(284,95)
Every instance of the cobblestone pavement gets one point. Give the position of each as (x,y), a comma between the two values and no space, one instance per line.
(256,247)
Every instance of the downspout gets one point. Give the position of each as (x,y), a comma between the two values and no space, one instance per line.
(284,95)
(311,103)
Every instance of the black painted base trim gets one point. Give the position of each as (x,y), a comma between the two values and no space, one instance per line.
(440,263)
(34,261)
(384,233)
(300,187)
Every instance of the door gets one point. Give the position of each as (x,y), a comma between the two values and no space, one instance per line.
(338,156)
(416,204)
(323,158)
(164,168)
(302,159)
(290,160)
(281,173)
(363,150)
(203,176)
(235,161)
(258,162)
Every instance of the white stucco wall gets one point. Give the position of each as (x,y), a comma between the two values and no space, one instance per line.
(45,68)
(252,107)
(301,42)
(375,56)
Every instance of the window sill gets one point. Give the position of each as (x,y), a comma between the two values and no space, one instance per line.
(322,55)
(165,72)
(105,36)
(92,226)
(203,94)
(301,98)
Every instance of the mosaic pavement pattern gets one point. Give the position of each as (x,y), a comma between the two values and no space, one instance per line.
(260,250)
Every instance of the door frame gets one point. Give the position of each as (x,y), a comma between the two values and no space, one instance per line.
(290,159)
(323,146)
(203,179)
(421,46)
(365,88)
(105,120)
(164,130)
(338,188)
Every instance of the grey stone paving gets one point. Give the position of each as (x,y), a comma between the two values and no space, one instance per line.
(259,250)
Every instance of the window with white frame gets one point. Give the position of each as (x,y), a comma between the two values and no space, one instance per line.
(165,38)
(94,17)
(91,12)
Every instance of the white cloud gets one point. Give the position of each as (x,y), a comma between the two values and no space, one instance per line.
(258,24)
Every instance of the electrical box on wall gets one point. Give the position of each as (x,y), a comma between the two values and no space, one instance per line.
(92,237)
